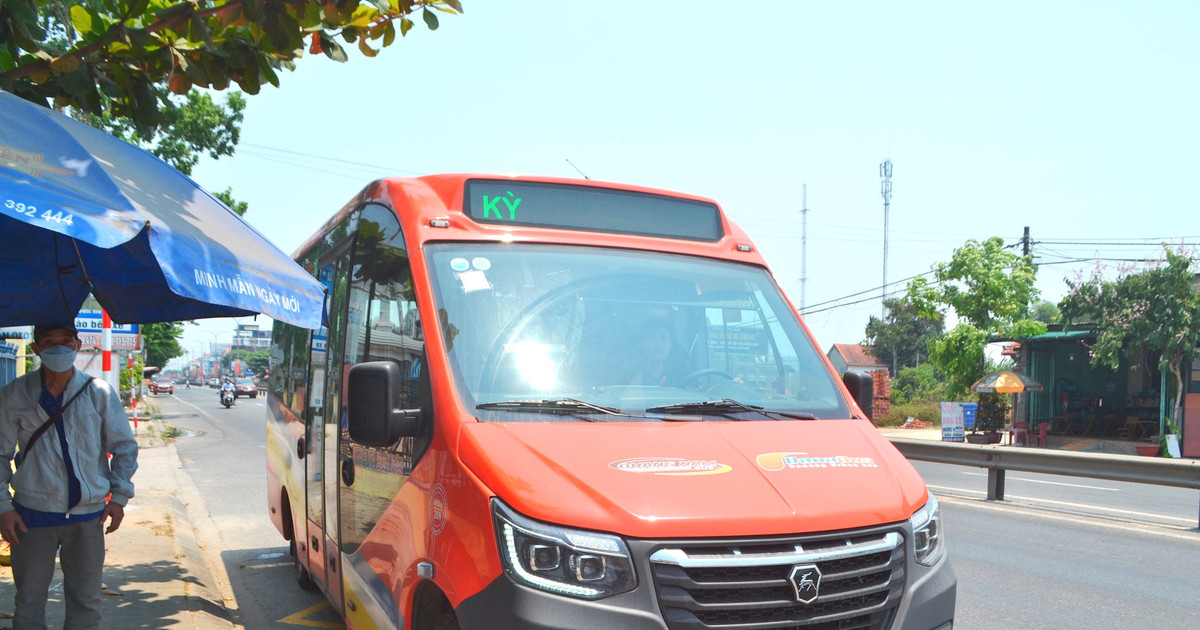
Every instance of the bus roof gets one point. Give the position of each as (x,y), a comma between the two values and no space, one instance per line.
(512,208)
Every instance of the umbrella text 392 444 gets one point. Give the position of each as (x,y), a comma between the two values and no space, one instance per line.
(82,212)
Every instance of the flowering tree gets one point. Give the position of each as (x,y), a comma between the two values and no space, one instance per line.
(1156,309)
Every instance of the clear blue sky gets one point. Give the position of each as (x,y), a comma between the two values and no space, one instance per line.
(1077,119)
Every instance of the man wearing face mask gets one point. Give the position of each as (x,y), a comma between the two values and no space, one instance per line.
(60,426)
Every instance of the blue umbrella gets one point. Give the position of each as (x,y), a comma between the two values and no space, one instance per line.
(82,211)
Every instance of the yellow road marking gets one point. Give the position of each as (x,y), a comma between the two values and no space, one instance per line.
(299,619)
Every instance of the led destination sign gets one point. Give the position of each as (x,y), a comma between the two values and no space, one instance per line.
(591,209)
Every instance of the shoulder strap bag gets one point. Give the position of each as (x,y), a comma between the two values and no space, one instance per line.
(46,425)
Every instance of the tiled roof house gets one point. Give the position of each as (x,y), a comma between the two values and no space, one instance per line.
(851,357)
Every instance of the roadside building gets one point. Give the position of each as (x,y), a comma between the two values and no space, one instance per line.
(853,357)
(1083,400)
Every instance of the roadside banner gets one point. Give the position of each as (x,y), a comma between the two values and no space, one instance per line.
(90,324)
(952,422)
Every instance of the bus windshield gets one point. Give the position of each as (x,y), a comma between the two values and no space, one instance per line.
(559,333)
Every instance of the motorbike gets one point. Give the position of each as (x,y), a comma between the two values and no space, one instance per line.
(227,398)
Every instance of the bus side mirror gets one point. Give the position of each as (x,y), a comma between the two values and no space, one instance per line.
(373,401)
(862,388)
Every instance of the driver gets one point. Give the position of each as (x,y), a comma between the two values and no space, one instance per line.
(655,363)
(227,386)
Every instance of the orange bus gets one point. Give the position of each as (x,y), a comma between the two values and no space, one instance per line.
(553,403)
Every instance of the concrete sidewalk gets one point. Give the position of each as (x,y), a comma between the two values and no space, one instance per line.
(155,573)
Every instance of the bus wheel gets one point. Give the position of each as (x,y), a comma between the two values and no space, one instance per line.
(431,610)
(303,577)
(443,621)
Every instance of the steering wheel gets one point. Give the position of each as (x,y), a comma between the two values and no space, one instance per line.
(699,374)
(491,366)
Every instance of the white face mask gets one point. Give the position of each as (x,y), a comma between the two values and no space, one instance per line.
(58,358)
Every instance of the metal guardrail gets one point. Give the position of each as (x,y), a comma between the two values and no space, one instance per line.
(1180,473)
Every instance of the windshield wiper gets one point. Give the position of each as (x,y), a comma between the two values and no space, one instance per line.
(566,406)
(726,407)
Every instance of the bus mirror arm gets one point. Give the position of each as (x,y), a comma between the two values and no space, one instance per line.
(374,416)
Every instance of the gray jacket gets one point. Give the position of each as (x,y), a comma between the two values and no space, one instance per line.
(96,425)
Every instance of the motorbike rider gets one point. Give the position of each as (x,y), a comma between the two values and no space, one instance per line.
(227,386)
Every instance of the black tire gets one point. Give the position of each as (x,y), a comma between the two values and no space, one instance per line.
(303,578)
(443,621)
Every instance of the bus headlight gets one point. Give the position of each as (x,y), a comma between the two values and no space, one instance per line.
(560,560)
(927,533)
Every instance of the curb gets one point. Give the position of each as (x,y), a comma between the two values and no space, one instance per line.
(200,602)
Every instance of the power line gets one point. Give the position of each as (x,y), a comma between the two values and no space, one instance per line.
(838,302)
(871,290)
(340,161)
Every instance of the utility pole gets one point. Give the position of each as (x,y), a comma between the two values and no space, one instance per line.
(1025,242)
(885,188)
(803,244)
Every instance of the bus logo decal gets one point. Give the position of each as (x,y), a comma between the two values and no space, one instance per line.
(806,581)
(792,461)
(671,466)
(438,508)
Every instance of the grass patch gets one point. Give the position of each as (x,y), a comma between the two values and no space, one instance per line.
(928,411)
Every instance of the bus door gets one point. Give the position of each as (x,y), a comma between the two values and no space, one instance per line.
(384,325)
(323,426)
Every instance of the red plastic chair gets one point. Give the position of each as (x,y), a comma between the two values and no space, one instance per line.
(1040,434)
(1020,433)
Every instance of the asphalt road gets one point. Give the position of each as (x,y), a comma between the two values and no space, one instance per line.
(1061,552)
(1069,552)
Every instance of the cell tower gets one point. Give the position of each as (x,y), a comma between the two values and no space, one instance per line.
(803,244)
(885,188)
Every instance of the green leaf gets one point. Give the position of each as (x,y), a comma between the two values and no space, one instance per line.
(405,26)
(362,16)
(198,31)
(66,63)
(267,71)
(455,4)
(430,19)
(81,19)
(23,10)
(332,49)
(389,34)
(108,86)
(145,104)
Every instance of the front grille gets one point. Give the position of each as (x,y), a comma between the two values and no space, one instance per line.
(747,585)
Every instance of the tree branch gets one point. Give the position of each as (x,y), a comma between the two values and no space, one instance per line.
(110,35)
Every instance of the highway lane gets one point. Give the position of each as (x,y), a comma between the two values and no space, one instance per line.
(1120,501)
(1069,552)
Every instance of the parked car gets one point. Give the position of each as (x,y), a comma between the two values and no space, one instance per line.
(162,385)
(245,386)
(213,383)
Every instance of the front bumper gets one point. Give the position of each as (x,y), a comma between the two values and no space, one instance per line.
(916,598)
